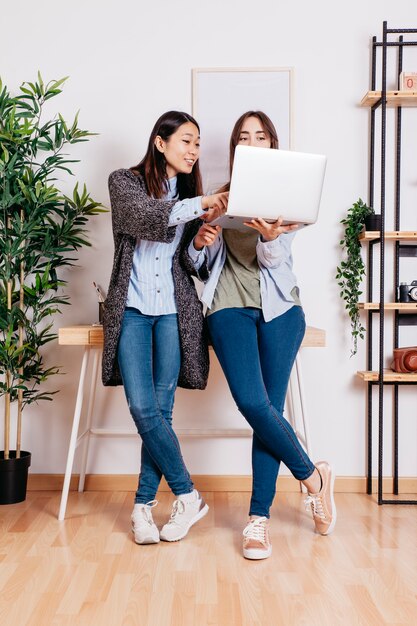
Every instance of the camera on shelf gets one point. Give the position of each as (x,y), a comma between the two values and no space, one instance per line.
(407,293)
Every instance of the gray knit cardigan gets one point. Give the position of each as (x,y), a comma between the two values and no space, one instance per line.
(135,215)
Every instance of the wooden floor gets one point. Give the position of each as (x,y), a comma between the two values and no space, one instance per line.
(88,571)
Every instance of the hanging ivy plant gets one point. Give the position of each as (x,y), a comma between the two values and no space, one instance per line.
(351,271)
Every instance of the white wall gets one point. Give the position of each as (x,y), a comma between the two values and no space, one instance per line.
(130,61)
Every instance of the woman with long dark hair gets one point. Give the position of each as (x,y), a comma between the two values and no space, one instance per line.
(154,337)
(256,325)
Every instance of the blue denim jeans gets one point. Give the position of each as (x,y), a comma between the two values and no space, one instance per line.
(149,358)
(257,358)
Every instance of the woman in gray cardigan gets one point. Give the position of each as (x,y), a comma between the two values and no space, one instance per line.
(154,336)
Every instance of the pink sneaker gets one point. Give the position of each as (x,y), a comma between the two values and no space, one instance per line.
(322,503)
(256,542)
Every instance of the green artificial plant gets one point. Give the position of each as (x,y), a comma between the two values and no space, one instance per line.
(351,271)
(40,229)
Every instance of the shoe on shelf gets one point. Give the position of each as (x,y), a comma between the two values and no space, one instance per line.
(143,526)
(256,542)
(185,513)
(322,503)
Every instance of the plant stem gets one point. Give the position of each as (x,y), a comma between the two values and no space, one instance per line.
(7,419)
(20,391)
(8,383)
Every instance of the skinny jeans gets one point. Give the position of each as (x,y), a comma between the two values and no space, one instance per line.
(257,358)
(149,358)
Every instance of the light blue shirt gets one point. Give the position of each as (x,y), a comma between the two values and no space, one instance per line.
(277,280)
(151,285)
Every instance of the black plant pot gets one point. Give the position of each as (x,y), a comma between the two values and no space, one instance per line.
(14,477)
(373,222)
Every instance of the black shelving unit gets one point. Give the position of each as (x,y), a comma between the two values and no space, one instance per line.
(396,40)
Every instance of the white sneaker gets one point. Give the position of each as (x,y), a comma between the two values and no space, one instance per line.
(143,526)
(256,542)
(184,515)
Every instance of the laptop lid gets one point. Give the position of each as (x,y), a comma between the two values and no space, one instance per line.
(268,183)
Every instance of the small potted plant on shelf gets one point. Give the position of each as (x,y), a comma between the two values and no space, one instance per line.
(351,271)
(372,221)
(40,228)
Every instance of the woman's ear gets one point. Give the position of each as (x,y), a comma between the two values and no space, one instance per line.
(160,144)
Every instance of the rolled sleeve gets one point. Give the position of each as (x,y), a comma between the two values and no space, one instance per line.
(186,210)
(271,253)
(197,256)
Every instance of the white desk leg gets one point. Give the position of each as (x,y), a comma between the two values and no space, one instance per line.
(304,435)
(91,400)
(293,411)
(291,405)
(74,433)
(303,406)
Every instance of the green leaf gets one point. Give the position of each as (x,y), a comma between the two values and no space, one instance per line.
(41,84)
(57,83)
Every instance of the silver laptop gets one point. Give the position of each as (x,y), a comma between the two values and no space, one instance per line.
(270,183)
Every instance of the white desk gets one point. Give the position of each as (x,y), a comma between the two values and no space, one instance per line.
(91,338)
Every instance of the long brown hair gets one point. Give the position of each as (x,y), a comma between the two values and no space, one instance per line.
(267,126)
(153,165)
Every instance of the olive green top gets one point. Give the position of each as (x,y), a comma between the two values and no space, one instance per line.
(238,284)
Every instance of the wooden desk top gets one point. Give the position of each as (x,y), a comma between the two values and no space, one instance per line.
(89,335)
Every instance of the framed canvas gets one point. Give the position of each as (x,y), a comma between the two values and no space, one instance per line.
(221,95)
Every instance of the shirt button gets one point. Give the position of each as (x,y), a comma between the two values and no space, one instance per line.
(178,219)
(195,212)
(158,291)
(156,274)
(157,258)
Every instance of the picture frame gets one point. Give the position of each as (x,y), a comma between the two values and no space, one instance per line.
(221,95)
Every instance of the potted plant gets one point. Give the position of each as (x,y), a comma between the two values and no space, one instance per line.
(372,221)
(40,228)
(351,271)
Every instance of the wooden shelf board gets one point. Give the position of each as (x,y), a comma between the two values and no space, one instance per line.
(394,235)
(389,376)
(394,98)
(390,306)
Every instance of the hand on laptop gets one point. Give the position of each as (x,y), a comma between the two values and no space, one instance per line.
(216,201)
(270,230)
(212,214)
(206,236)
